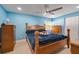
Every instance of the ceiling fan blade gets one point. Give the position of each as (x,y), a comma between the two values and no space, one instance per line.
(54,10)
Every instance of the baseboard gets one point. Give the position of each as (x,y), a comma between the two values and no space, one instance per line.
(17,41)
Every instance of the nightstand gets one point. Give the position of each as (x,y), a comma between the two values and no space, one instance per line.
(75,46)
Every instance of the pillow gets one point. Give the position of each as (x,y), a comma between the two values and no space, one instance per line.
(33,31)
(49,31)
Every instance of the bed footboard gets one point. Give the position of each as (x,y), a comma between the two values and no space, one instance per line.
(52,47)
(36,42)
(68,39)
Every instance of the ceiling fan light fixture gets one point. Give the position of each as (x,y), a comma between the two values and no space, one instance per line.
(48,15)
(44,14)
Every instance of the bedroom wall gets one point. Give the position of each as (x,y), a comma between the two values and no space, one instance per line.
(3,15)
(61,20)
(19,21)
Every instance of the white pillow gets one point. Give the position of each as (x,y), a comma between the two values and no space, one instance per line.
(49,31)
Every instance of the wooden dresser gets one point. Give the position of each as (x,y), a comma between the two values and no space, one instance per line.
(7,38)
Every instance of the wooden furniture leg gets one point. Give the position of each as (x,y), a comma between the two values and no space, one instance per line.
(68,39)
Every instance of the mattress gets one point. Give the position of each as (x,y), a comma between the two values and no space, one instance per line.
(44,39)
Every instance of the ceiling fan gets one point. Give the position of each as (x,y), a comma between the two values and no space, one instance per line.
(46,7)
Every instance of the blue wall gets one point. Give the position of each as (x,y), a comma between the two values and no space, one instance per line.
(61,20)
(20,19)
(3,15)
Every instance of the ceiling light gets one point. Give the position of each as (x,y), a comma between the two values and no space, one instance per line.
(77,6)
(48,15)
(19,8)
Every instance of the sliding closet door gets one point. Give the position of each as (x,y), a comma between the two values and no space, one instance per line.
(72,23)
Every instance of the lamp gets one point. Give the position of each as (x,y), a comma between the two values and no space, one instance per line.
(7,20)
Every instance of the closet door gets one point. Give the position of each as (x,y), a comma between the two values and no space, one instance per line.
(72,23)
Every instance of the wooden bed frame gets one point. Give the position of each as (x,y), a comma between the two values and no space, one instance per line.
(50,47)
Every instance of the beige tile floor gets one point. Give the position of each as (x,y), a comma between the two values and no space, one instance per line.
(22,47)
(65,51)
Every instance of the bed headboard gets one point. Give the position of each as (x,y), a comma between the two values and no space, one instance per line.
(34,27)
(57,29)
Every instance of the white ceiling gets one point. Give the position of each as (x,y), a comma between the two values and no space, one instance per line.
(39,10)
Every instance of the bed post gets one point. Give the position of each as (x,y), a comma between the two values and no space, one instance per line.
(68,39)
(36,42)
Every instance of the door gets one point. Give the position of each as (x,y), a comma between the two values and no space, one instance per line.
(72,24)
